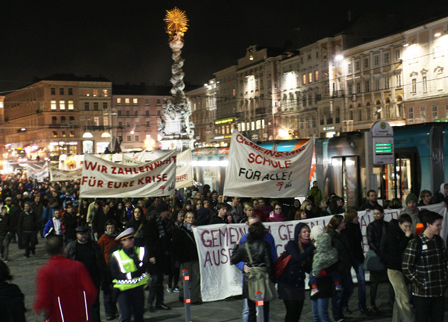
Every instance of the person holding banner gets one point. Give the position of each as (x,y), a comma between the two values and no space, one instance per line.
(184,246)
(291,284)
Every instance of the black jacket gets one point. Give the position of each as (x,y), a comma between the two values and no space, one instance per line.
(354,236)
(260,251)
(4,224)
(28,221)
(341,244)
(184,245)
(218,220)
(375,233)
(394,246)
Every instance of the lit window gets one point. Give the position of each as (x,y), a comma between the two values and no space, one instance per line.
(62,105)
(96,121)
(105,92)
(258,124)
(234,92)
(63,134)
(134,100)
(126,100)
(95,93)
(253,125)
(72,134)
(118,100)
(54,134)
(53,105)
(310,77)
(105,120)
(71,105)
(304,79)
(316,76)
(86,92)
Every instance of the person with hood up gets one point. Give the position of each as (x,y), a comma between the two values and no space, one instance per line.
(291,284)
(276,215)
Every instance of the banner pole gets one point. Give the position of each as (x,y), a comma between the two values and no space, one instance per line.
(187,299)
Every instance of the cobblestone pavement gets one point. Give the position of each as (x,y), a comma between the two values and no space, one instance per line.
(24,271)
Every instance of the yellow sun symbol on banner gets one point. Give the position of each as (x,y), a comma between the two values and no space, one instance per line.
(176,22)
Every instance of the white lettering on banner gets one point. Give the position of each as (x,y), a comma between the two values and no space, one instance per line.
(63,175)
(254,171)
(105,179)
(220,279)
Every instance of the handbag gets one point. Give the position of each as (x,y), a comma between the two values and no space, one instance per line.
(281,263)
(372,262)
(258,281)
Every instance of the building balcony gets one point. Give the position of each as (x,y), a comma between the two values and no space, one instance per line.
(339,93)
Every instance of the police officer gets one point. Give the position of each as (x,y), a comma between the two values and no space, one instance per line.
(128,267)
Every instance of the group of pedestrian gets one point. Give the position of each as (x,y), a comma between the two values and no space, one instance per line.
(123,246)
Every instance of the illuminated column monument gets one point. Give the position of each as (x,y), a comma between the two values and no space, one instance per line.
(176,130)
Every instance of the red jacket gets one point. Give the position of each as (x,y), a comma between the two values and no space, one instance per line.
(106,242)
(64,287)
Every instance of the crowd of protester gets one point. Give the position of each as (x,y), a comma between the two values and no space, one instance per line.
(103,233)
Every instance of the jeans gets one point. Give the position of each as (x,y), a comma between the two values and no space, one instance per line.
(429,308)
(156,288)
(320,309)
(131,301)
(245,310)
(336,306)
(360,276)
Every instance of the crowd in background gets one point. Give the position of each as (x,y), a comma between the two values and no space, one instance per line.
(31,211)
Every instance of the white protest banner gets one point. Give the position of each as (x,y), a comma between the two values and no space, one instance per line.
(129,160)
(254,171)
(105,179)
(63,175)
(184,170)
(38,173)
(220,279)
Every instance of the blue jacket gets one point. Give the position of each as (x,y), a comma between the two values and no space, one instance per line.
(48,214)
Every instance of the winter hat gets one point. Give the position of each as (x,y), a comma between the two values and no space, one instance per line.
(316,231)
(411,197)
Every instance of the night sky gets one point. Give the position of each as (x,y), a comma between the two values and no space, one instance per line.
(125,41)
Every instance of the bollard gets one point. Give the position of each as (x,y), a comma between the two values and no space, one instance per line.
(260,306)
(187,299)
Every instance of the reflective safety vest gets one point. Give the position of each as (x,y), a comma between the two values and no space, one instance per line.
(127,266)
